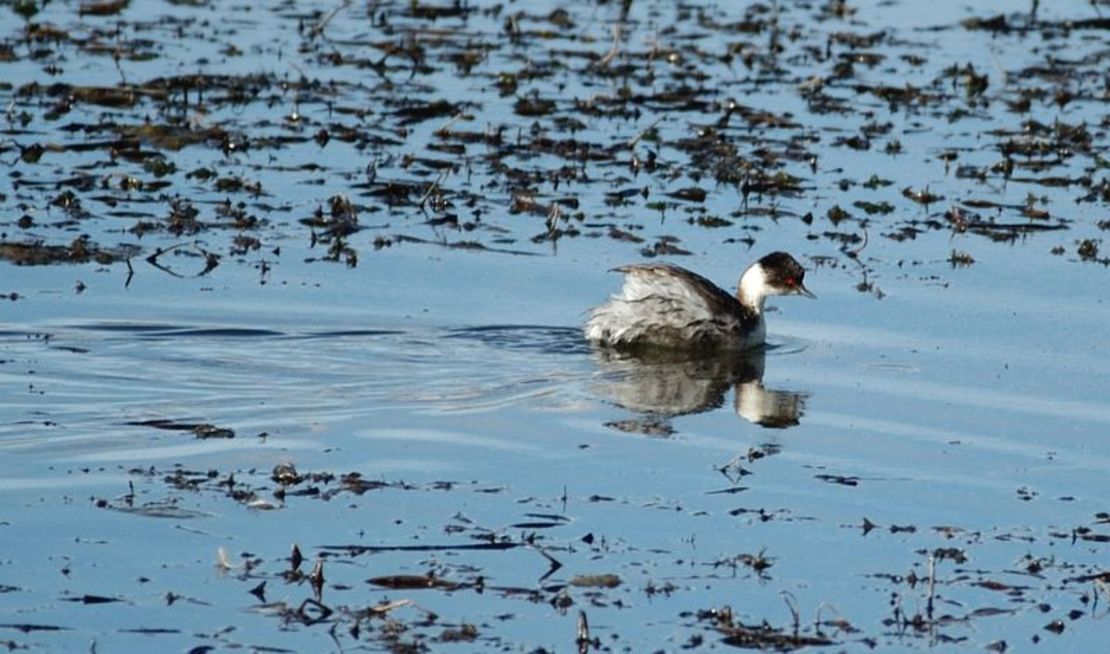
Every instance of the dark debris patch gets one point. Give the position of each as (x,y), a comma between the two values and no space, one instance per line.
(92,599)
(654,427)
(27,627)
(843,480)
(762,636)
(413,582)
(80,250)
(200,430)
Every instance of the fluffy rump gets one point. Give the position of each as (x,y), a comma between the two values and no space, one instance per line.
(666,306)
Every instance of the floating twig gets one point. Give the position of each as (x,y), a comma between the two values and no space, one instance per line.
(615,50)
(318,28)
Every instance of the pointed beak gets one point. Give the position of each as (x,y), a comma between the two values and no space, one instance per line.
(802,290)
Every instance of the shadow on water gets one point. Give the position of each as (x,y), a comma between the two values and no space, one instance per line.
(660,384)
(668,384)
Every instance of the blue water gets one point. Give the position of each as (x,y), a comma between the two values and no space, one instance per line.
(949,407)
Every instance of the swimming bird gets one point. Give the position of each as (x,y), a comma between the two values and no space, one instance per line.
(665,306)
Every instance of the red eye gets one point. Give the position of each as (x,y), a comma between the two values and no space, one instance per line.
(790,281)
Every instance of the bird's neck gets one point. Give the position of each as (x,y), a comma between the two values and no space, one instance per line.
(752,289)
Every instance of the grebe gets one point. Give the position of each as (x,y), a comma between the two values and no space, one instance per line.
(667,306)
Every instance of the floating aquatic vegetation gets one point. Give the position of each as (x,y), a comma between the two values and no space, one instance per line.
(672,118)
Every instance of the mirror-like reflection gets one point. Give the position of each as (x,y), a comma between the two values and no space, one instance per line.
(668,384)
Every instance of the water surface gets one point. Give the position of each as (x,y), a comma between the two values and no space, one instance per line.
(917,462)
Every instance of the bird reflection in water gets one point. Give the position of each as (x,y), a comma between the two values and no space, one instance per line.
(662,385)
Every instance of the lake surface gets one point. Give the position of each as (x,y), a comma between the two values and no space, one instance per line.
(311,276)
